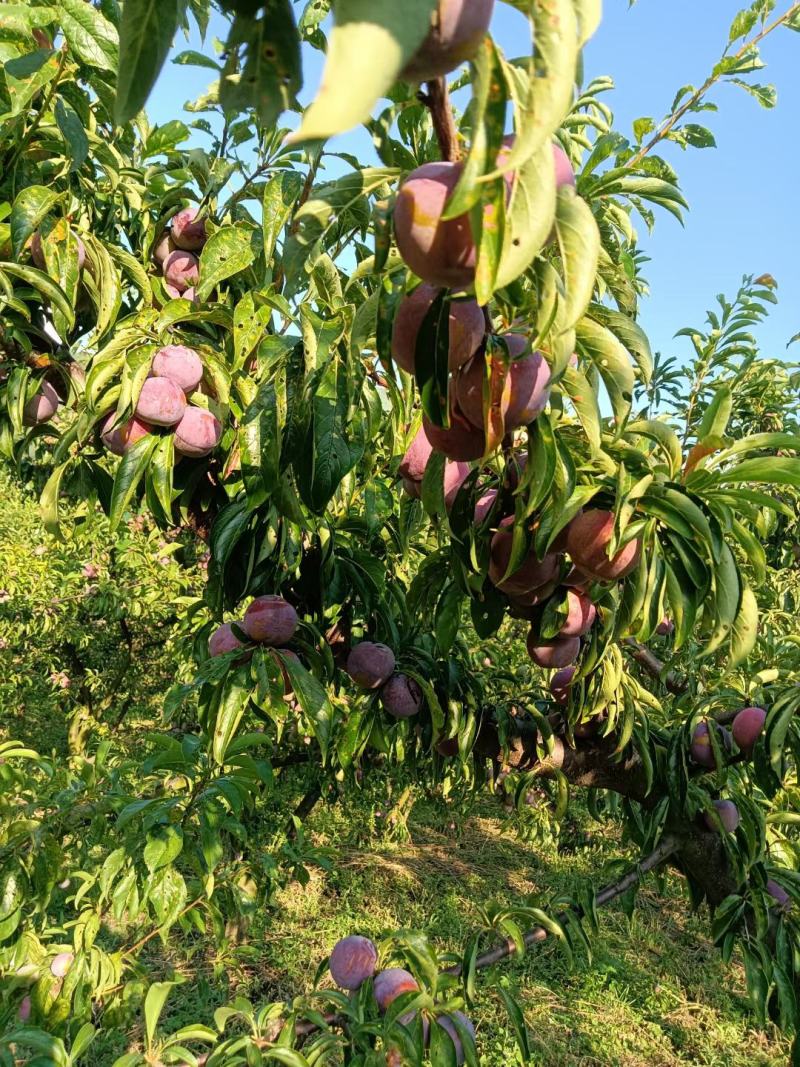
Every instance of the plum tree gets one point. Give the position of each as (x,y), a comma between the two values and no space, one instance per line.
(354,959)
(467,327)
(180,364)
(588,541)
(270,620)
(401,696)
(370,664)
(161,402)
(458,28)
(747,728)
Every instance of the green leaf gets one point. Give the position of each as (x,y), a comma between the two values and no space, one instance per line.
(431,360)
(46,286)
(448,617)
(153,1006)
(771,470)
(129,473)
(73,133)
(27,76)
(90,35)
(529,215)
(314,701)
(232,705)
(612,363)
(579,241)
(229,251)
(50,500)
(28,211)
(766,95)
(385,31)
(745,629)
(279,201)
(164,845)
(264,68)
(517,1022)
(146,33)
(164,138)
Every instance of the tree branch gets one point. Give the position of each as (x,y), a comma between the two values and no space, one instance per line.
(437,100)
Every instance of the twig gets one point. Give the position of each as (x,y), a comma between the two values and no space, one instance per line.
(669,123)
(653,665)
(304,809)
(437,100)
(154,933)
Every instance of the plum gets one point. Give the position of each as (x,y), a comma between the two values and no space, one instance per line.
(560,652)
(560,684)
(198,432)
(186,233)
(565,175)
(581,615)
(665,627)
(589,536)
(353,960)
(163,248)
(747,728)
(224,640)
(484,505)
(701,749)
(401,696)
(181,270)
(370,664)
(180,364)
(460,441)
(448,747)
(728,815)
(532,574)
(24,1010)
(458,27)
(61,963)
(439,252)
(779,895)
(270,620)
(120,438)
(414,462)
(161,402)
(392,983)
(467,328)
(525,393)
(447,1024)
(42,406)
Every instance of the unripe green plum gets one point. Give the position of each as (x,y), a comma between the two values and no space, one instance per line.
(163,248)
(587,543)
(728,815)
(439,252)
(581,616)
(560,652)
(186,233)
(270,620)
(224,640)
(446,1022)
(401,696)
(42,406)
(466,321)
(181,270)
(198,433)
(460,441)
(747,728)
(180,364)
(370,664)
(531,575)
(161,402)
(353,960)
(392,983)
(458,27)
(119,439)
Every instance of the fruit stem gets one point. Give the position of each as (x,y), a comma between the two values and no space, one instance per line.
(437,100)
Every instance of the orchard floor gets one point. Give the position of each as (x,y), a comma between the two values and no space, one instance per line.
(655,993)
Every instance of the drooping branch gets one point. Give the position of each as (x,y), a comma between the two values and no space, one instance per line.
(654,667)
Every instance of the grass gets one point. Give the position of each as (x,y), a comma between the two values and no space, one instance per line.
(655,993)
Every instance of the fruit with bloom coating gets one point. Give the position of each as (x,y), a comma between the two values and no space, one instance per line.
(565,175)
(270,620)
(353,960)
(532,573)
(581,615)
(163,248)
(665,627)
(560,652)
(466,320)
(460,441)
(198,432)
(779,895)
(60,964)
(440,252)
(119,439)
(458,27)
(186,233)
(589,536)
(180,364)
(447,1024)
(414,462)
(560,684)
(24,1010)
(181,270)
(525,394)
(224,640)
(747,728)
(728,815)
(42,406)
(701,748)
(401,696)
(370,664)
(392,983)
(484,505)
(161,402)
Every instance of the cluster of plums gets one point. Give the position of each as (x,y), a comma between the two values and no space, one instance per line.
(371,665)
(270,621)
(176,254)
(354,960)
(175,374)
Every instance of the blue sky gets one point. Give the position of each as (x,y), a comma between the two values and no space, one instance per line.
(744,218)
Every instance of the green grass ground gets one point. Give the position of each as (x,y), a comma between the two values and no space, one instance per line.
(655,993)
